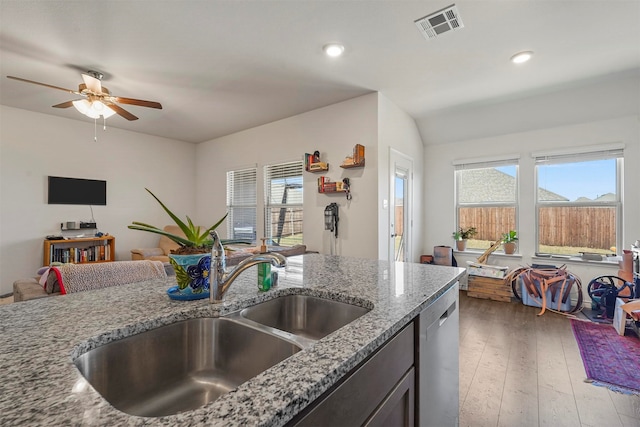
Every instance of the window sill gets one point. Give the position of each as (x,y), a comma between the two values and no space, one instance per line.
(574,260)
(497,254)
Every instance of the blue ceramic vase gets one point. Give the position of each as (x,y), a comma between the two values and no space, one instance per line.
(192,276)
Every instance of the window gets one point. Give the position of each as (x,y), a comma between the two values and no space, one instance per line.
(241,204)
(578,205)
(486,198)
(283,203)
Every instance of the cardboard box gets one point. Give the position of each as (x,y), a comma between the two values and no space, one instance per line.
(483,270)
(622,310)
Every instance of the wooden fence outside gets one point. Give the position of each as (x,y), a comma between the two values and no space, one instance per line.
(574,226)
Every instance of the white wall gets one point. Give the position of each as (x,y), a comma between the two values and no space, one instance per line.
(34,146)
(332,130)
(439,187)
(398,130)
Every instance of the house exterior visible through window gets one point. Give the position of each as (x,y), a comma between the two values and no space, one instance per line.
(578,203)
(283,203)
(486,198)
(241,204)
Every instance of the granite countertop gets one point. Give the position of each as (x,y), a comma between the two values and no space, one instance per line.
(39,340)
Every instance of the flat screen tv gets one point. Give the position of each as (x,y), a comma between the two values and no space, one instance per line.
(75,191)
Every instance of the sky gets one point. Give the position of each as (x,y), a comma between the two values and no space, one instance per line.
(573,180)
(584,179)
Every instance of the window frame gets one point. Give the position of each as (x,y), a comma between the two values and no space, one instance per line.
(614,151)
(240,203)
(486,163)
(294,166)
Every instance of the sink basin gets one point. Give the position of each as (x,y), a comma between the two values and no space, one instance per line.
(303,315)
(182,366)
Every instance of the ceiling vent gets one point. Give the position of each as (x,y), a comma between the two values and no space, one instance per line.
(440,22)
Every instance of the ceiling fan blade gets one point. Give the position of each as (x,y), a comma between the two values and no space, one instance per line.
(92,83)
(121,111)
(64,105)
(140,102)
(43,84)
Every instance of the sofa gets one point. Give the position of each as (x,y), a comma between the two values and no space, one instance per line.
(160,253)
(69,278)
(234,253)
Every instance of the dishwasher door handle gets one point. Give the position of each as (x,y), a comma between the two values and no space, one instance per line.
(443,318)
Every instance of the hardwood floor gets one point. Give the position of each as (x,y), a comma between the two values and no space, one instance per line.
(520,369)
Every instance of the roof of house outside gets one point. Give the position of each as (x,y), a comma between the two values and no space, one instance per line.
(491,185)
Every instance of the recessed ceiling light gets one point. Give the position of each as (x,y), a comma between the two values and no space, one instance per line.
(521,57)
(333,49)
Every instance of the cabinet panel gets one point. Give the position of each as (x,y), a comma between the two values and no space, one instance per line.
(398,409)
(356,399)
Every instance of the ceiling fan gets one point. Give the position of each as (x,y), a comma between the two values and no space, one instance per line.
(96,99)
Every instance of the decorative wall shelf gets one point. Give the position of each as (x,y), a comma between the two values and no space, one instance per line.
(356,160)
(313,164)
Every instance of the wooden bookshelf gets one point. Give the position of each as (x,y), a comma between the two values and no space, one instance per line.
(80,251)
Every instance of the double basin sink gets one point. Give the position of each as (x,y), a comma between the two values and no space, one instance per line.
(187,364)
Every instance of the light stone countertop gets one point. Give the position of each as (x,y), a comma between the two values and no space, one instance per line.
(39,339)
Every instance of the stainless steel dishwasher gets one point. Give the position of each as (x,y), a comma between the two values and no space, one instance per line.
(437,362)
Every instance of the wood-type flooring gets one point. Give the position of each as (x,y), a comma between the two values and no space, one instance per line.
(520,369)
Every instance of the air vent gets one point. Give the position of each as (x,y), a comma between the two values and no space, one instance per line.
(440,22)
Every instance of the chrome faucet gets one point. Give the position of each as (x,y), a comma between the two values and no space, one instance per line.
(219,281)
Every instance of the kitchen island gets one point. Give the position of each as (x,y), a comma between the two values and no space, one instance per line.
(40,339)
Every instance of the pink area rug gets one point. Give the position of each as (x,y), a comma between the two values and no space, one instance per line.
(610,360)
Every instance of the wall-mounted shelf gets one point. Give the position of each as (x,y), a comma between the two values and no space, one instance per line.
(359,165)
(356,160)
(325,186)
(313,164)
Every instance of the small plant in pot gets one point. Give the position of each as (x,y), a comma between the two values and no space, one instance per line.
(192,260)
(509,242)
(462,235)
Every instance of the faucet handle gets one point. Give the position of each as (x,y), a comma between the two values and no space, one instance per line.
(217,250)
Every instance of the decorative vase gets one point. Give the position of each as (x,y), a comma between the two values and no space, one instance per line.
(509,248)
(461,245)
(192,276)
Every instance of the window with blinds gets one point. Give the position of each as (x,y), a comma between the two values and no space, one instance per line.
(578,203)
(283,203)
(487,199)
(241,204)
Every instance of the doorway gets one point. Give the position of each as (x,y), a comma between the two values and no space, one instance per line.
(400,221)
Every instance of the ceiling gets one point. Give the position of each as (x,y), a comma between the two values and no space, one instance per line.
(219,67)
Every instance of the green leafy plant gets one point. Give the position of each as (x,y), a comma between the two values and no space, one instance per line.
(196,240)
(509,237)
(465,233)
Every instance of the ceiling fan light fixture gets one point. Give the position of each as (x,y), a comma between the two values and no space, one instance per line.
(333,49)
(521,57)
(93,109)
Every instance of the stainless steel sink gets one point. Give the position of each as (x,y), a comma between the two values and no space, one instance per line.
(182,366)
(303,315)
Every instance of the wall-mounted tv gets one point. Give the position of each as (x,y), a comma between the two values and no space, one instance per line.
(75,191)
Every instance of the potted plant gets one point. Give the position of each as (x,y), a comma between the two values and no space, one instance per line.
(192,260)
(462,235)
(509,242)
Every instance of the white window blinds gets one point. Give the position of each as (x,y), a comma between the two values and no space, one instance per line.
(241,204)
(284,202)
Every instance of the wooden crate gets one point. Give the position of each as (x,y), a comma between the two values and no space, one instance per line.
(489,288)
